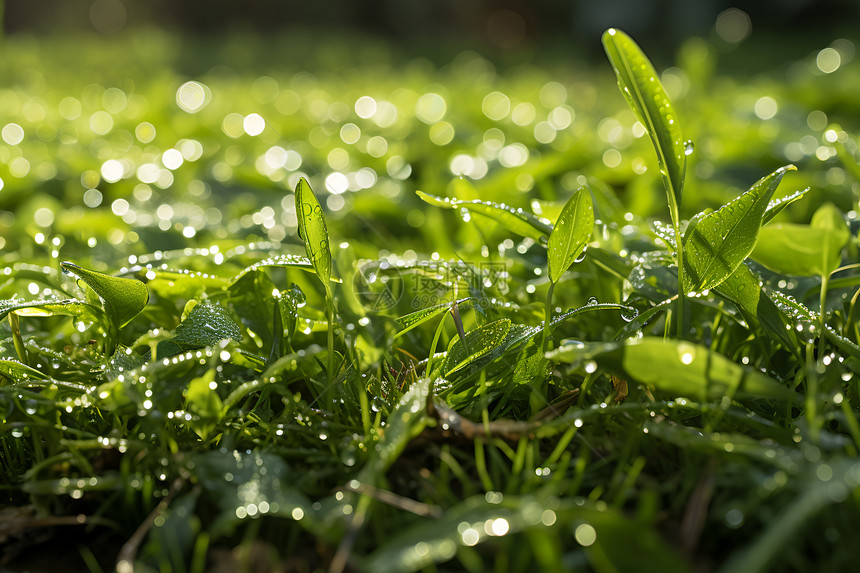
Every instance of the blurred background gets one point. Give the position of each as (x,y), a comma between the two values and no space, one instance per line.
(495,24)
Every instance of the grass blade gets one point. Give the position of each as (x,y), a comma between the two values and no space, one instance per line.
(516,220)
(571,233)
(313,231)
(677,367)
(641,86)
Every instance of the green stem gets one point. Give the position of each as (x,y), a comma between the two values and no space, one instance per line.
(433,347)
(545,344)
(679,332)
(330,317)
(16,337)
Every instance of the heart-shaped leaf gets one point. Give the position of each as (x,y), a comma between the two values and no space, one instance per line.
(641,86)
(313,231)
(720,241)
(207,323)
(570,235)
(123,298)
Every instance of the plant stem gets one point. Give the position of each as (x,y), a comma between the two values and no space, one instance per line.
(548,318)
(329,299)
(679,332)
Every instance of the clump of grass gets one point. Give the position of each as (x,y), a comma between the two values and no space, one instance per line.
(523,367)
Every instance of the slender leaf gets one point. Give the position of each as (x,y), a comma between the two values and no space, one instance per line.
(720,241)
(641,86)
(516,220)
(571,233)
(478,342)
(123,298)
(677,367)
(413,319)
(776,206)
(313,231)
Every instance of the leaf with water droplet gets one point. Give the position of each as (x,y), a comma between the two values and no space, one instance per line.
(477,343)
(645,95)
(571,233)
(515,220)
(204,402)
(313,231)
(15,370)
(207,324)
(413,319)
(720,241)
(678,368)
(742,287)
(777,205)
(123,298)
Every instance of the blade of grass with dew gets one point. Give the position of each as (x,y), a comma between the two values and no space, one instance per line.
(641,87)
(516,220)
(476,344)
(571,233)
(313,231)
(677,367)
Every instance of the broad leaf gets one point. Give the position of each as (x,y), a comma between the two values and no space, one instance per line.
(123,298)
(207,323)
(478,342)
(804,250)
(641,86)
(720,241)
(678,368)
(313,231)
(571,233)
(516,220)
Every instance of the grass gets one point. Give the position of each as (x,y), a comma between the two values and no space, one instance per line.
(424,381)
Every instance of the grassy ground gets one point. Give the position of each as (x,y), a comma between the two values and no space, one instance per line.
(413,412)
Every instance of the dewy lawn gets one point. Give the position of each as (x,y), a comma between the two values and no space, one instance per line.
(355,310)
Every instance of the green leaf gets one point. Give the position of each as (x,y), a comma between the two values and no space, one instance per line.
(516,220)
(720,241)
(404,423)
(641,86)
(123,298)
(678,368)
(68,307)
(203,401)
(414,319)
(207,323)
(804,250)
(477,343)
(742,287)
(570,235)
(313,231)
(18,371)
(777,205)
